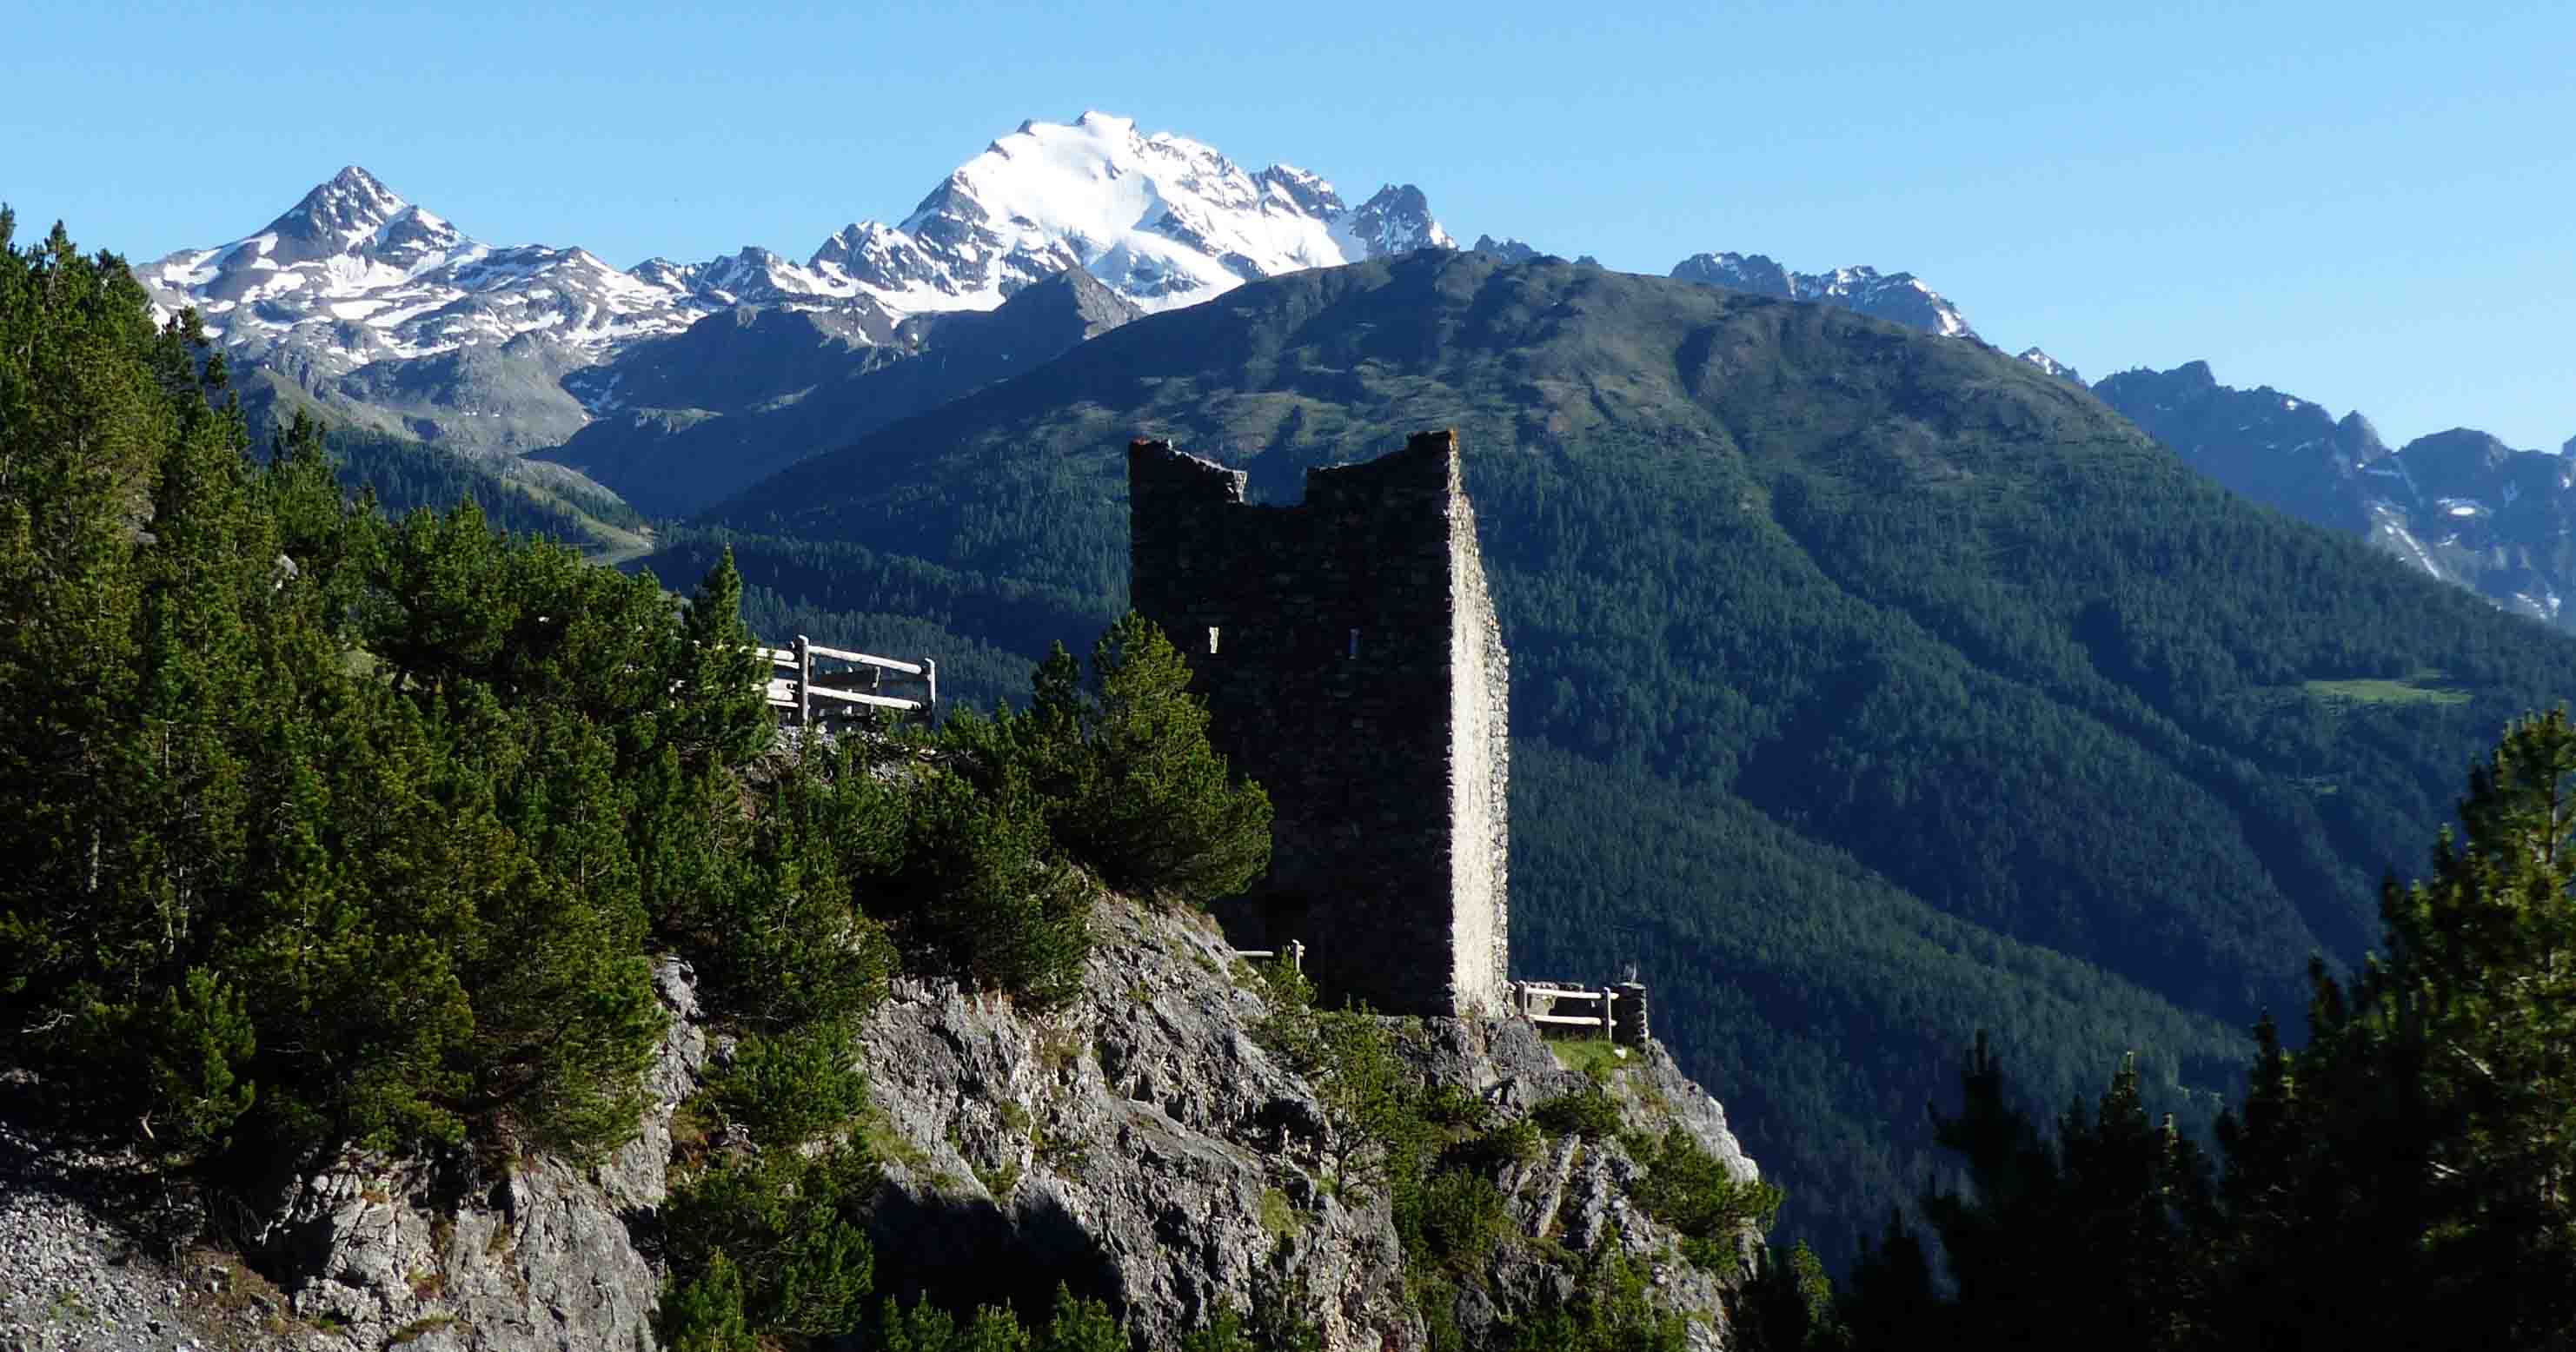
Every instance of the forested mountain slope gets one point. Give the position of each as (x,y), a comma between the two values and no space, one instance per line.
(697,417)
(1870,688)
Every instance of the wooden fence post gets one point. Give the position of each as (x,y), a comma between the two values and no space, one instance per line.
(804,682)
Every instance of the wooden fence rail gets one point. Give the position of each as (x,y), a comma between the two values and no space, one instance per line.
(799,692)
(1619,1011)
(1293,953)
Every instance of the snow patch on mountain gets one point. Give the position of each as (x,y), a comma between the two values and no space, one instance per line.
(2050,364)
(2388,529)
(1898,296)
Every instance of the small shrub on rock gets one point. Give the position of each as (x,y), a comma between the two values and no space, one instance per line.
(978,895)
(789,1089)
(1590,1114)
(1690,1190)
(1456,1219)
(705,1314)
(791,1227)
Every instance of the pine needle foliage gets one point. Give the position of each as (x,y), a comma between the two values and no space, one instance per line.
(329,829)
(1120,761)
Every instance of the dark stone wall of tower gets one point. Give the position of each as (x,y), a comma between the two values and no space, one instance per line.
(1352,664)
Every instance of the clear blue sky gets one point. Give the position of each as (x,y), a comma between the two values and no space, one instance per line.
(2366,204)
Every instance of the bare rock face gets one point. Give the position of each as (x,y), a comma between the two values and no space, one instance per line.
(1138,1143)
(370,1253)
(1577,1193)
(1141,1145)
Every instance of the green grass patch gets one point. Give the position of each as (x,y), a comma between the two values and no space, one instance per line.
(1593,1056)
(1280,1218)
(2424,686)
(885,1141)
(419,1328)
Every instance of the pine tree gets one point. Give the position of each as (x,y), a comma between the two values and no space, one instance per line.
(2087,1238)
(705,1314)
(81,428)
(1123,771)
(1081,1324)
(2427,1133)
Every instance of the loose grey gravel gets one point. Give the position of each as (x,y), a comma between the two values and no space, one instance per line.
(72,1280)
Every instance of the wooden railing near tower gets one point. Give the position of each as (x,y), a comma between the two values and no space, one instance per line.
(799,692)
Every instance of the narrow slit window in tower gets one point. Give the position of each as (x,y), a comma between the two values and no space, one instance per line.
(1211,640)
(1355,643)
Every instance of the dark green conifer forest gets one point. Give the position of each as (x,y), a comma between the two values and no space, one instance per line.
(330,829)
(2399,1181)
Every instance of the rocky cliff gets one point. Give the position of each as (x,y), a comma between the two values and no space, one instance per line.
(1140,1143)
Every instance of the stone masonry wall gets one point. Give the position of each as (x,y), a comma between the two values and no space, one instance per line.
(1352,664)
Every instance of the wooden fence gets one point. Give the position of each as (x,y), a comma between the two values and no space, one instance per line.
(1294,954)
(1618,1011)
(807,700)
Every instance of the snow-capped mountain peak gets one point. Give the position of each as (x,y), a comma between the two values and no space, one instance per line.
(1162,219)
(354,274)
(341,212)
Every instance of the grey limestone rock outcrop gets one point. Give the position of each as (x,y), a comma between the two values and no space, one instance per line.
(443,1260)
(1142,1144)
(358,1253)
(1138,1142)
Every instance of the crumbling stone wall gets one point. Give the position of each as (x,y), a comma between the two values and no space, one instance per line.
(1352,664)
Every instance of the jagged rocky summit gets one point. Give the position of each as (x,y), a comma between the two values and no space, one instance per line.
(2050,364)
(1515,251)
(1140,1143)
(1896,296)
(2459,505)
(388,315)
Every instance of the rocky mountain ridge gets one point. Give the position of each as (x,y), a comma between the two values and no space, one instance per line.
(1161,219)
(2460,505)
(693,418)
(390,317)
(1896,296)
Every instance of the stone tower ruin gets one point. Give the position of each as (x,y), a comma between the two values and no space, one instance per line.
(1352,665)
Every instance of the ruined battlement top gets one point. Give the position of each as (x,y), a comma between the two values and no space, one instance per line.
(1428,465)
(1168,472)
